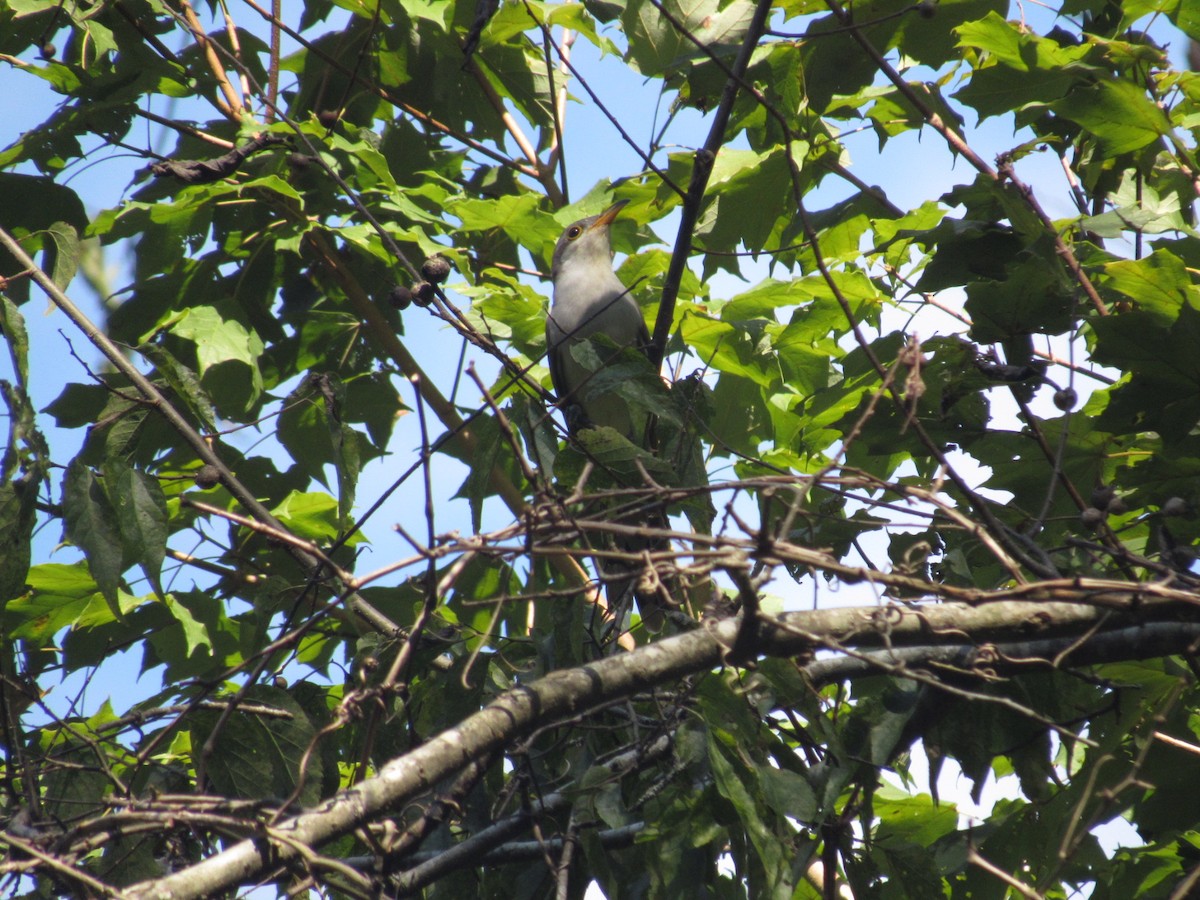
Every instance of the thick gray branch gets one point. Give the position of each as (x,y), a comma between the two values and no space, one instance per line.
(574,691)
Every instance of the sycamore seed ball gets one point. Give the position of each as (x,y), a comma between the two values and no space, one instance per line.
(422,293)
(435,269)
(400,297)
(207,476)
(1176,506)
(1066,399)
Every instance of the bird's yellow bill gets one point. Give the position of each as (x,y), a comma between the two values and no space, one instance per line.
(606,217)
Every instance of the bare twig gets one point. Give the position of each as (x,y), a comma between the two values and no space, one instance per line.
(385,94)
(1020,887)
(959,145)
(231,105)
(701,169)
(175,419)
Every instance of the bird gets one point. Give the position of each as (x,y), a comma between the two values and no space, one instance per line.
(589,300)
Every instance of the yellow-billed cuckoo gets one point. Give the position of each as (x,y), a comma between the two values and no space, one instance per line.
(590,300)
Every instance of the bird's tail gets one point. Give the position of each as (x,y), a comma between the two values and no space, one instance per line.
(645,573)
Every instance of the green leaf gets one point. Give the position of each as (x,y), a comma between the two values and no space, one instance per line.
(788,793)
(184,383)
(657,43)
(1118,113)
(440,12)
(61,256)
(348,465)
(1163,391)
(834,64)
(72,581)
(751,202)
(1015,46)
(12,325)
(1083,459)
(1184,13)
(509,310)
(734,782)
(195,632)
(968,250)
(91,525)
(257,753)
(575,16)
(343,440)
(323,337)
(728,348)
(311,516)
(1032,300)
(915,820)
(220,340)
(1021,67)
(518,216)
(374,401)
(34,205)
(142,517)
(1138,205)
(804,357)
(76,786)
(177,644)
(62,596)
(17,518)
(625,373)
(372,161)
(932,41)
(313,429)
(491,453)
(1158,283)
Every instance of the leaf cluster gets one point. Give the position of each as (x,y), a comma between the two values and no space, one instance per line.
(957,408)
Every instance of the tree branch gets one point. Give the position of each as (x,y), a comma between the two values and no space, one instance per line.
(571,692)
(701,169)
(203,450)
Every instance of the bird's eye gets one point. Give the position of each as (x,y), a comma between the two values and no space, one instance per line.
(573,232)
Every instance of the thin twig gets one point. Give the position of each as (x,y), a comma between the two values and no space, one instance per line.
(185,129)
(385,94)
(1020,887)
(182,427)
(545,174)
(959,145)
(235,46)
(231,105)
(701,169)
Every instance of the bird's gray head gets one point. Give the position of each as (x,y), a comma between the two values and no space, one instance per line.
(585,244)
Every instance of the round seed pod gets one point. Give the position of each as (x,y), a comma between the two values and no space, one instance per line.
(422,293)
(207,476)
(1176,506)
(435,269)
(400,297)
(1066,399)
